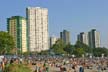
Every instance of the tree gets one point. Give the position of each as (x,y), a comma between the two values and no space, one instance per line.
(85,47)
(80,51)
(81,48)
(99,51)
(26,53)
(69,49)
(45,52)
(6,43)
(58,47)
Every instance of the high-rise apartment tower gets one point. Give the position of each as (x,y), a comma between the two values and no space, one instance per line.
(37,23)
(16,26)
(65,36)
(94,38)
(83,37)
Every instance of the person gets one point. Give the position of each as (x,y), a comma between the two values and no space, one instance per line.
(3,65)
(11,61)
(47,69)
(44,65)
(0,67)
(73,68)
(99,68)
(21,60)
(37,69)
(81,69)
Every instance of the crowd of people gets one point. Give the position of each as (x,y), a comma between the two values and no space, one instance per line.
(6,61)
(59,64)
(3,62)
(69,64)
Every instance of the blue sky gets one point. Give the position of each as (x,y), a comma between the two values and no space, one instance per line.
(73,15)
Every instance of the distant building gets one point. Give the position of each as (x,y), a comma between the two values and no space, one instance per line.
(94,38)
(16,26)
(65,36)
(37,23)
(53,41)
(83,37)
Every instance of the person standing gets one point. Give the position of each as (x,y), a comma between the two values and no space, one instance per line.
(0,67)
(81,69)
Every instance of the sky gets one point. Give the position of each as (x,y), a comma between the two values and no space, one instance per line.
(73,15)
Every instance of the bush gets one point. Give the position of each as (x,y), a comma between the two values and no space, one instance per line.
(17,68)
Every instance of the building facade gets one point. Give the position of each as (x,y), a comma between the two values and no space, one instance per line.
(94,38)
(16,26)
(37,23)
(53,41)
(65,36)
(83,37)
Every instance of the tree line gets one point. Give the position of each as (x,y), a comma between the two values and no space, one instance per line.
(78,49)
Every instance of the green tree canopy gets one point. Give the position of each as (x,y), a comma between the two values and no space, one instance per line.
(45,52)
(58,47)
(85,47)
(6,43)
(99,51)
(69,48)
(78,49)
